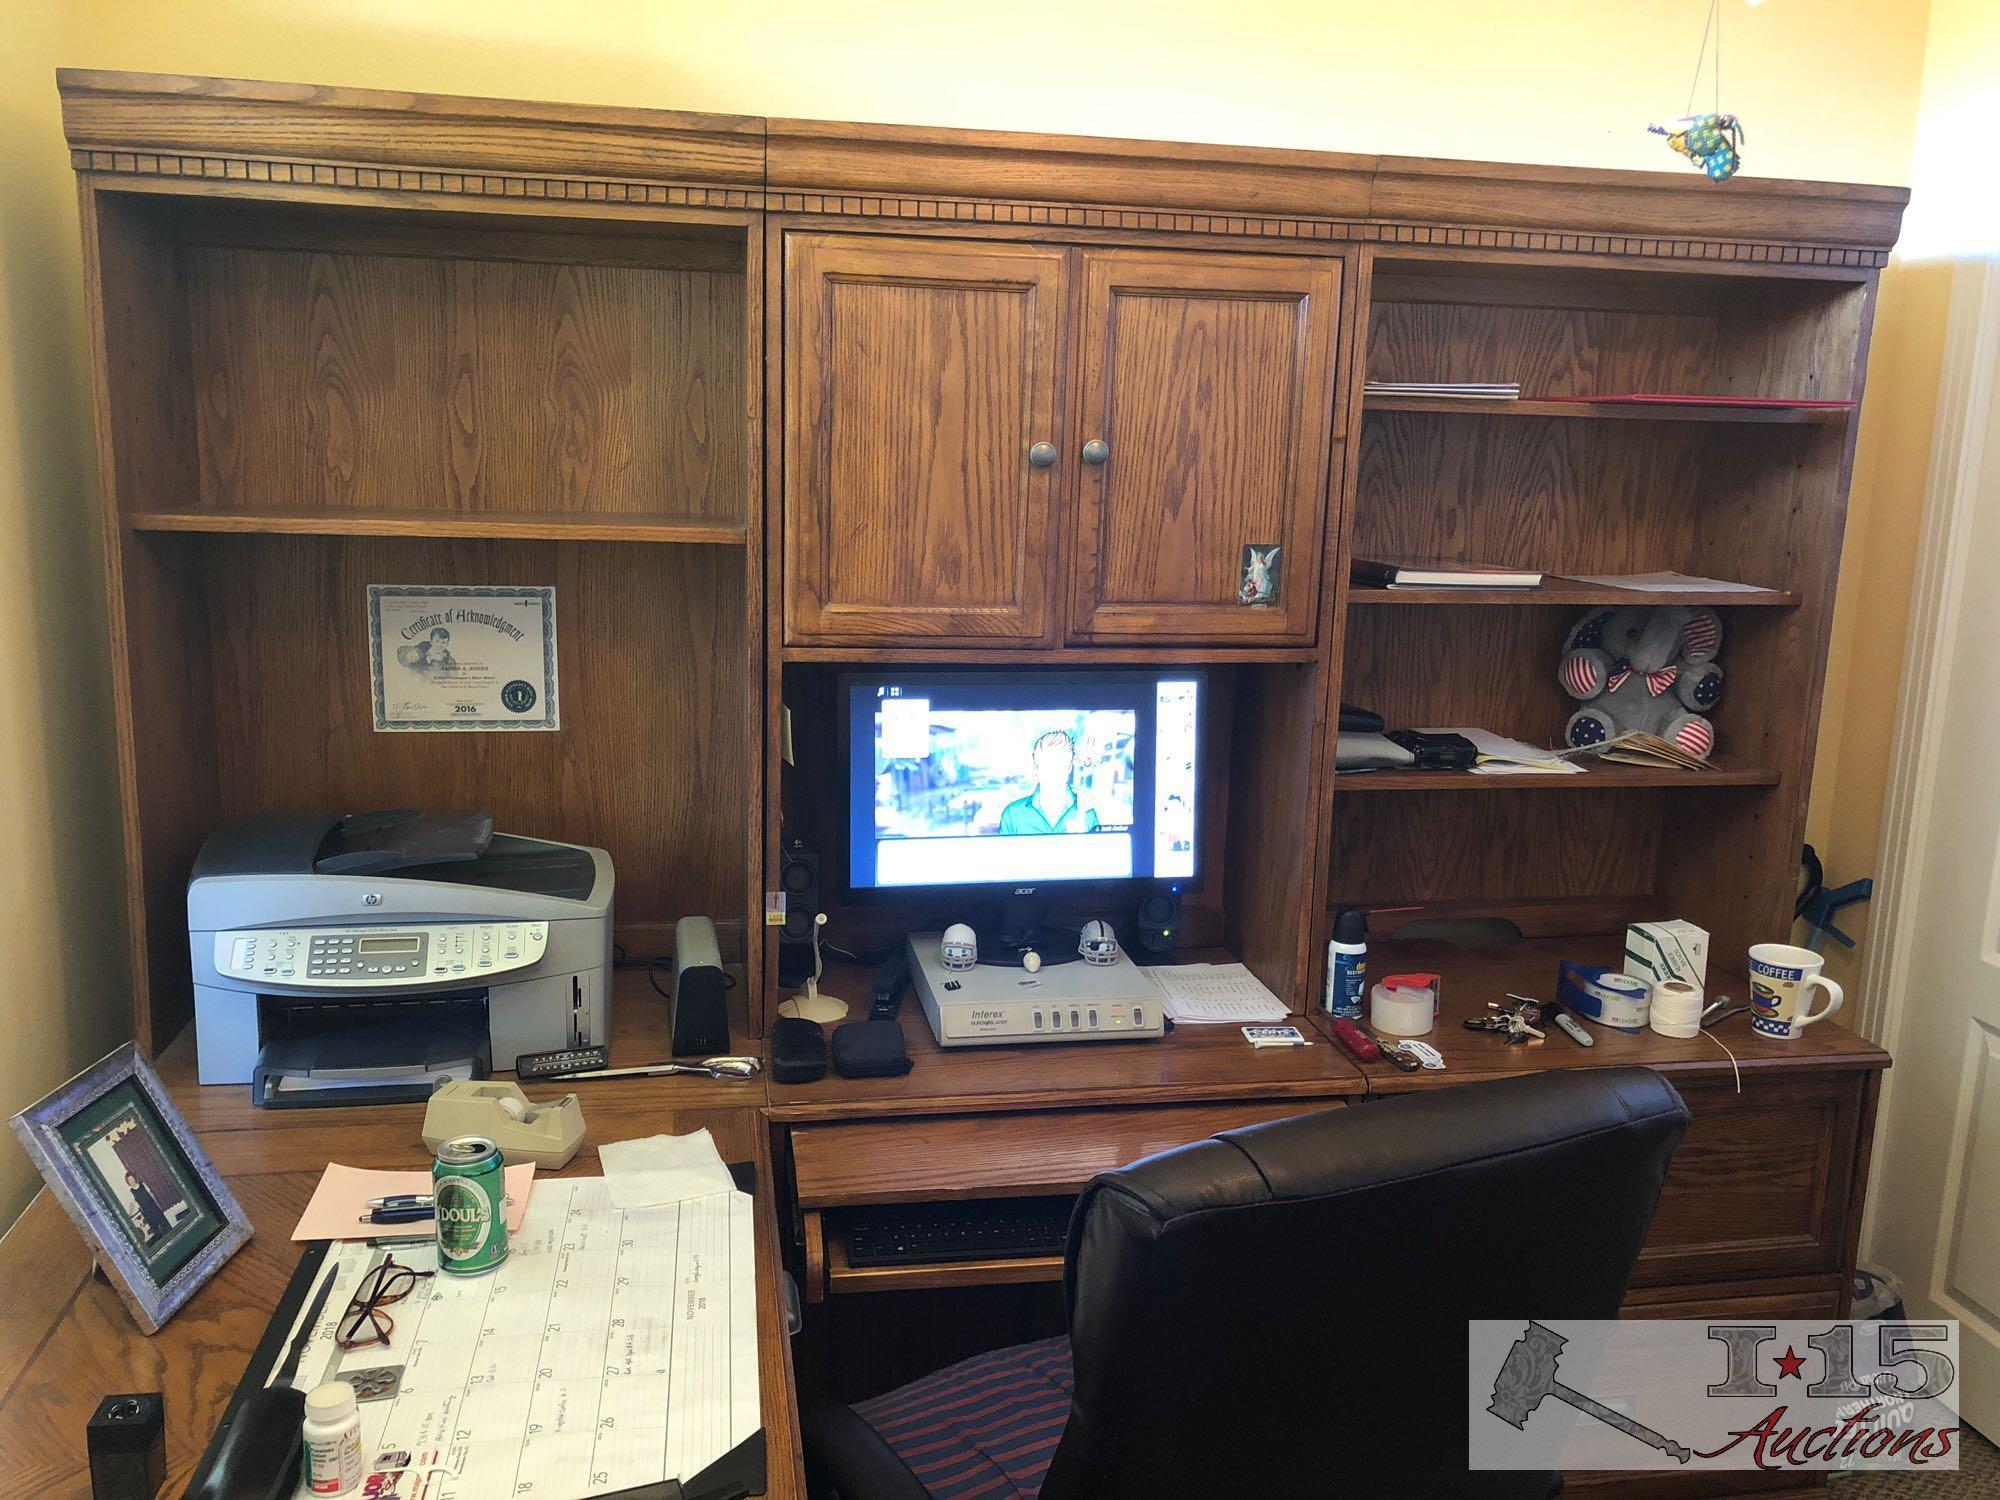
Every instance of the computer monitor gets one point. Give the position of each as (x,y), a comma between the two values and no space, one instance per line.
(1021,778)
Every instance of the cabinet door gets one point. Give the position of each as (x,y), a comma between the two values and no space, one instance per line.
(1206,411)
(1763,1182)
(919,377)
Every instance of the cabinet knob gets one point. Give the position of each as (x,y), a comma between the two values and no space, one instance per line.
(1042,455)
(1096,452)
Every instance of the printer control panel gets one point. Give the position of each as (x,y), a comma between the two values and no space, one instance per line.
(380,957)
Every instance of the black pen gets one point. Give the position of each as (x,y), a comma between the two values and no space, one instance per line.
(409,1215)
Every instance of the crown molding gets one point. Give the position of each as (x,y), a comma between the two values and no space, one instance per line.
(144,125)
(127,116)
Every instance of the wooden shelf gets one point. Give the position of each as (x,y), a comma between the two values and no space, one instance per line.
(1563,591)
(1603,412)
(1723,771)
(561,526)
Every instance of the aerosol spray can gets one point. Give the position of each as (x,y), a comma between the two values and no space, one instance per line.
(1347,964)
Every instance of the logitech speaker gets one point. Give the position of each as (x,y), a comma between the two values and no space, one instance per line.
(1158,929)
(700,1010)
(798,878)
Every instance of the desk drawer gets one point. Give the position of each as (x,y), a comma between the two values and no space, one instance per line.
(924,1159)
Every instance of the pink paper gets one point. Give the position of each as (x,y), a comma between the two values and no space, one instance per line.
(341,1199)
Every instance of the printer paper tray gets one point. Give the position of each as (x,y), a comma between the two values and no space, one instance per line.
(282,1091)
(396,1061)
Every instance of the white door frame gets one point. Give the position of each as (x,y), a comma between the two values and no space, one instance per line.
(1966,440)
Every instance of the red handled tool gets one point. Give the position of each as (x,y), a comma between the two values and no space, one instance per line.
(1359,1044)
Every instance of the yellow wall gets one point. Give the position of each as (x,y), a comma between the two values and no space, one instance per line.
(1953,213)
(1827,88)
(63,988)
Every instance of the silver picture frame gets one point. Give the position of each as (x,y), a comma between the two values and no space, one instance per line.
(127,1169)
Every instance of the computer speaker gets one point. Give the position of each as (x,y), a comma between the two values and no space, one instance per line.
(1158,930)
(701,1010)
(798,878)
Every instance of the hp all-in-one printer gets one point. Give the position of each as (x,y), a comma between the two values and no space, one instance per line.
(341,959)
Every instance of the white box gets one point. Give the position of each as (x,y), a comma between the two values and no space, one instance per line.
(1666,950)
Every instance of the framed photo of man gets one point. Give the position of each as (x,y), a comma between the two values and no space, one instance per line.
(128,1171)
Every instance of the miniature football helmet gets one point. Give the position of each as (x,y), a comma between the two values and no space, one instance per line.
(1097,943)
(959,949)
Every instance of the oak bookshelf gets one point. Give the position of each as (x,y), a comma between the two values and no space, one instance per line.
(305,397)
(1753,494)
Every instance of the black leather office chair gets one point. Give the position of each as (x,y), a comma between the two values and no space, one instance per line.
(1281,1311)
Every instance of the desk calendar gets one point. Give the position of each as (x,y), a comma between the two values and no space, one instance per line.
(612,1349)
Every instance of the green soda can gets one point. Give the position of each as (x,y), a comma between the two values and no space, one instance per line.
(469,1194)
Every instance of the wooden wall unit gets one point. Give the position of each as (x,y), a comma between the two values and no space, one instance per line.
(1020,399)
(769,399)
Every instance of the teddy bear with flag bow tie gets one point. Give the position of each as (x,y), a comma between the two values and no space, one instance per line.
(1650,668)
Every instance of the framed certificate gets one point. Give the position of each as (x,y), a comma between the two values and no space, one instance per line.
(462,658)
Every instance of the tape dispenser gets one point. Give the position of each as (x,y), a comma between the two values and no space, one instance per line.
(546,1134)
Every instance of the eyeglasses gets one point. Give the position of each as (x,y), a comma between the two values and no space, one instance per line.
(364,1322)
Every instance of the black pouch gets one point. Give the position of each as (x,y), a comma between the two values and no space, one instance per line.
(870,1049)
(798,1050)
(1438,752)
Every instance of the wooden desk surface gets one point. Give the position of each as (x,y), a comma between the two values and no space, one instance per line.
(1528,967)
(1194,1063)
(66,1340)
(1197,1064)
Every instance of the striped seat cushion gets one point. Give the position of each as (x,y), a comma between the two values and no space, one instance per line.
(986,1426)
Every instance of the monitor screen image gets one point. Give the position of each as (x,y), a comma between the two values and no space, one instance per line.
(1021,778)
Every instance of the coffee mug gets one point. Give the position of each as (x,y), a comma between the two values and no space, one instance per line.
(1780,977)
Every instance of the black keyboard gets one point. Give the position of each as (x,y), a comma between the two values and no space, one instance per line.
(902,1234)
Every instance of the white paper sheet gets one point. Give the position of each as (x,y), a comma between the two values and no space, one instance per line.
(612,1348)
(1666,583)
(1215,994)
(1511,757)
(663,1169)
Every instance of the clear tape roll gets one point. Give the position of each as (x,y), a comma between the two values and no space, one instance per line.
(1676,1008)
(1402,1012)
